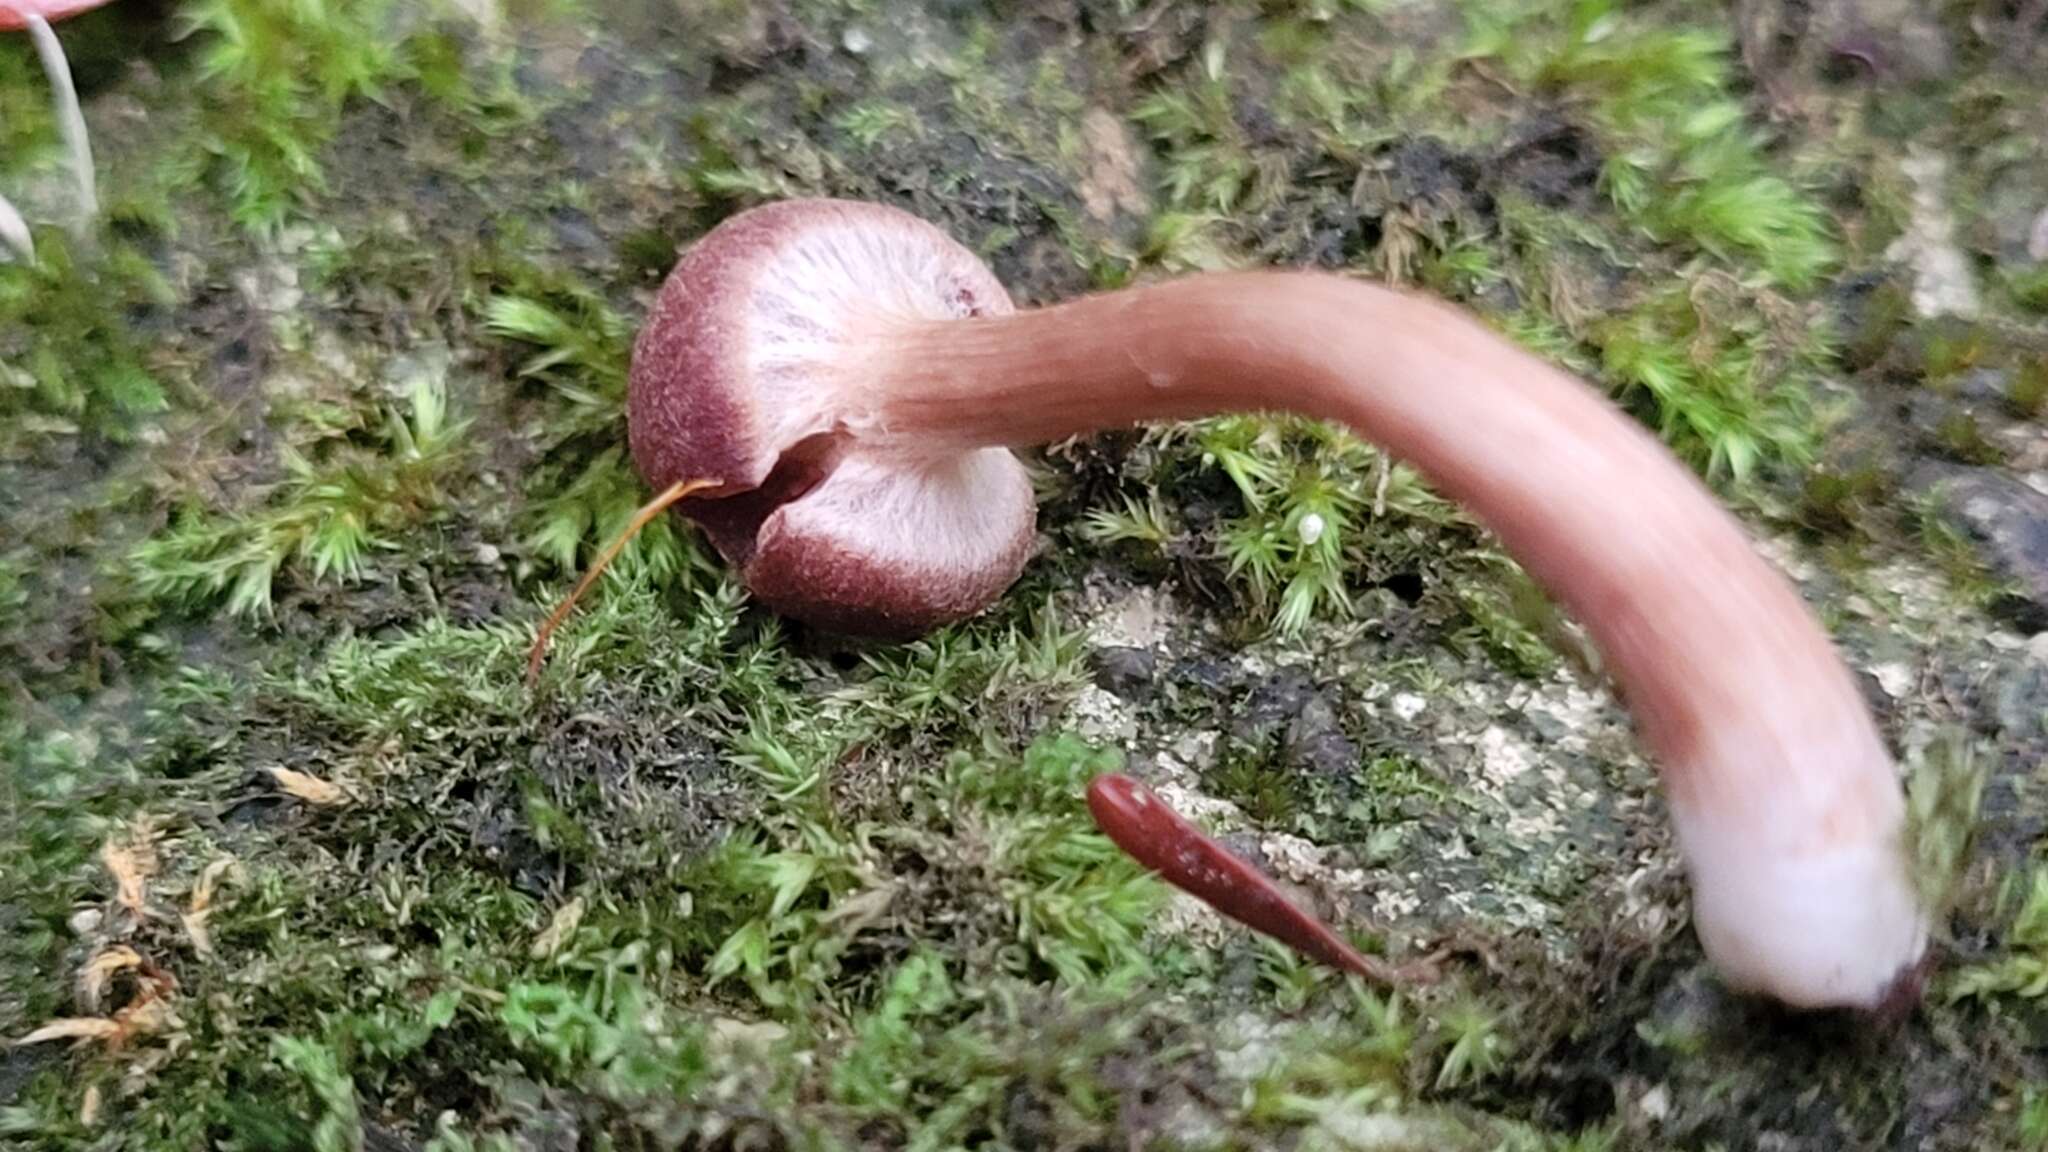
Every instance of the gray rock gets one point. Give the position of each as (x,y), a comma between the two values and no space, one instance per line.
(1316,742)
(1986,386)
(2007,520)
(2020,703)
(2013,213)
(1273,705)
(1202,677)
(1125,672)
(1898,36)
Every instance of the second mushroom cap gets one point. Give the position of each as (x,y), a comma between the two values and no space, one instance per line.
(749,373)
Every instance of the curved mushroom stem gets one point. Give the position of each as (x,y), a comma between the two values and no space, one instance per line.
(70,120)
(1785,802)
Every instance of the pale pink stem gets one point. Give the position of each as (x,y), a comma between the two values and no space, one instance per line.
(70,119)
(1783,795)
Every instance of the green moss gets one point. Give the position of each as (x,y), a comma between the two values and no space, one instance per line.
(2027,395)
(275,77)
(2030,288)
(1962,437)
(341,502)
(1837,500)
(1663,99)
(2020,967)
(70,362)
(1950,349)
(1265,791)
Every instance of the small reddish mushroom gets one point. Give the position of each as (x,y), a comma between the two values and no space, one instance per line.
(831,389)
(37,16)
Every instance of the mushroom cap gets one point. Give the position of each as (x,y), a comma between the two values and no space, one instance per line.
(14,13)
(743,375)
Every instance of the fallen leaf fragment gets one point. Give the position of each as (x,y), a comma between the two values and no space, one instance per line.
(151,1015)
(862,910)
(209,880)
(99,972)
(131,868)
(311,789)
(79,1028)
(151,1012)
(201,904)
(560,927)
(196,931)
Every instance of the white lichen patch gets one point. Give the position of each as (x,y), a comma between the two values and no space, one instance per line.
(1181,764)
(1130,617)
(1581,714)
(1391,905)
(1534,823)
(487,15)
(1786,556)
(1503,757)
(1196,749)
(1896,678)
(1655,1104)
(1636,905)
(1354,1126)
(1187,918)
(1942,281)
(1102,716)
(1301,862)
(1113,177)
(1905,596)
(1250,1045)
(1216,813)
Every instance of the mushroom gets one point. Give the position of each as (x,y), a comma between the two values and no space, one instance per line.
(36,16)
(831,390)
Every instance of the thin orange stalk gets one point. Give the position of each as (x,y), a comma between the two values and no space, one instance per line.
(641,519)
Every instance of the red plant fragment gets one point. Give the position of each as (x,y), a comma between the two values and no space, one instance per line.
(1169,844)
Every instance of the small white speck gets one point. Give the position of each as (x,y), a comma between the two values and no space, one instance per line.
(856,41)
(1896,679)
(1407,705)
(1504,757)
(1311,529)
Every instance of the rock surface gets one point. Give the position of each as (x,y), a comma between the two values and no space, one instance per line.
(2006,518)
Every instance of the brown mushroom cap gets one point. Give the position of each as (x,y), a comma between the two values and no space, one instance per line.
(738,376)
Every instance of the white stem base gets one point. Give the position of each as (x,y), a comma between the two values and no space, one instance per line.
(70,120)
(1826,927)
(15,241)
